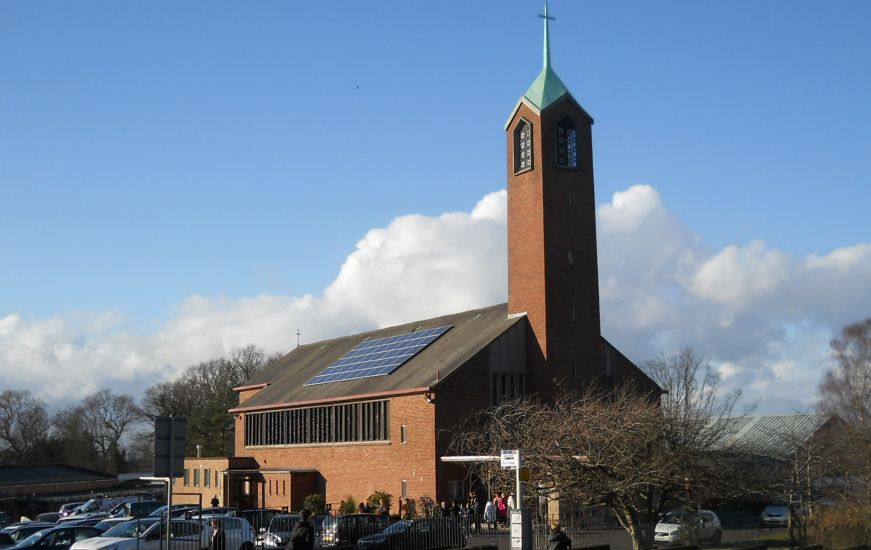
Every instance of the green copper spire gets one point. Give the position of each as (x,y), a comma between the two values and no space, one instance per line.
(547,88)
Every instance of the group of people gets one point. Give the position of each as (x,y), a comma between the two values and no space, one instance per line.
(495,512)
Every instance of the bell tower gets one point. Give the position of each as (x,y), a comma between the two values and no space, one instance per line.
(552,265)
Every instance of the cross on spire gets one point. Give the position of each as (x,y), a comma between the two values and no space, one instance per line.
(546,18)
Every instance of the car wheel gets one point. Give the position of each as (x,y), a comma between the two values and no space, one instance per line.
(246,546)
(718,536)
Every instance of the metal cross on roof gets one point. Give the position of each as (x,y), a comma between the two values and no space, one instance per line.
(546,18)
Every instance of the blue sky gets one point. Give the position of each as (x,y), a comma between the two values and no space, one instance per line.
(180,178)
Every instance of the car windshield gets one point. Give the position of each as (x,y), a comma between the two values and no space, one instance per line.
(129,529)
(398,527)
(674,517)
(283,523)
(776,510)
(31,540)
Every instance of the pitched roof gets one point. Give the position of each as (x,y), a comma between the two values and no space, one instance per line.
(775,436)
(51,473)
(285,379)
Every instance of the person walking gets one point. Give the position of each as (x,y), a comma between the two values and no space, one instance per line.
(218,540)
(302,537)
(557,539)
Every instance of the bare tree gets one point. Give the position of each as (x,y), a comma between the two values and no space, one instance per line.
(845,389)
(71,442)
(24,426)
(692,394)
(616,448)
(107,419)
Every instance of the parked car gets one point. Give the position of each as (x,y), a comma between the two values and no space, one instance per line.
(68,508)
(177,511)
(418,533)
(217,511)
(135,509)
(57,538)
(348,529)
(775,516)
(82,521)
(259,517)
(146,534)
(277,533)
(48,517)
(20,531)
(672,528)
(107,523)
(238,532)
(130,529)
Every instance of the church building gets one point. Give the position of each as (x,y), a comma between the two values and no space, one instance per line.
(375,410)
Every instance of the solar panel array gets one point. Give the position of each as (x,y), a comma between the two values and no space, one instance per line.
(378,357)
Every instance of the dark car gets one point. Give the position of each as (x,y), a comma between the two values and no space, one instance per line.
(177,511)
(58,538)
(20,531)
(6,541)
(419,534)
(105,524)
(136,509)
(69,508)
(72,521)
(349,528)
(48,517)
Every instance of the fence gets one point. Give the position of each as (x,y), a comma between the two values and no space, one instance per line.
(375,532)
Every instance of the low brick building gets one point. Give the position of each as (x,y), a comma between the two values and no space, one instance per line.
(375,411)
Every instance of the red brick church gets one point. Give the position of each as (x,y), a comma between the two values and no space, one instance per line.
(374,411)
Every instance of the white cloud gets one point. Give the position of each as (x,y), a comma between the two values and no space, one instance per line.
(739,274)
(728,370)
(784,370)
(764,317)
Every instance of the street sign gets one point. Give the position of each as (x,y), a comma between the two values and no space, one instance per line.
(170,438)
(509,459)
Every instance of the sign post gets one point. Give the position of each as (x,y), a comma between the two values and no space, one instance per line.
(521,526)
(170,439)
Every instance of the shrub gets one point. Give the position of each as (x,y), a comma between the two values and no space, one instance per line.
(348,506)
(315,503)
(376,499)
(842,526)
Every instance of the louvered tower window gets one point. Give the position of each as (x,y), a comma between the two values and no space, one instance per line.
(566,144)
(523,146)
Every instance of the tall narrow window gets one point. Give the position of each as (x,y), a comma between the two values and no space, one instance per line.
(566,144)
(403,434)
(522,146)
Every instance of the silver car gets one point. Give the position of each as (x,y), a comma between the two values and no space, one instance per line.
(673,528)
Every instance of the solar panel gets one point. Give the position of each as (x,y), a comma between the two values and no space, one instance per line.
(378,357)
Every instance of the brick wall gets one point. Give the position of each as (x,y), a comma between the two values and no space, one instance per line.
(559,295)
(359,469)
(196,490)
